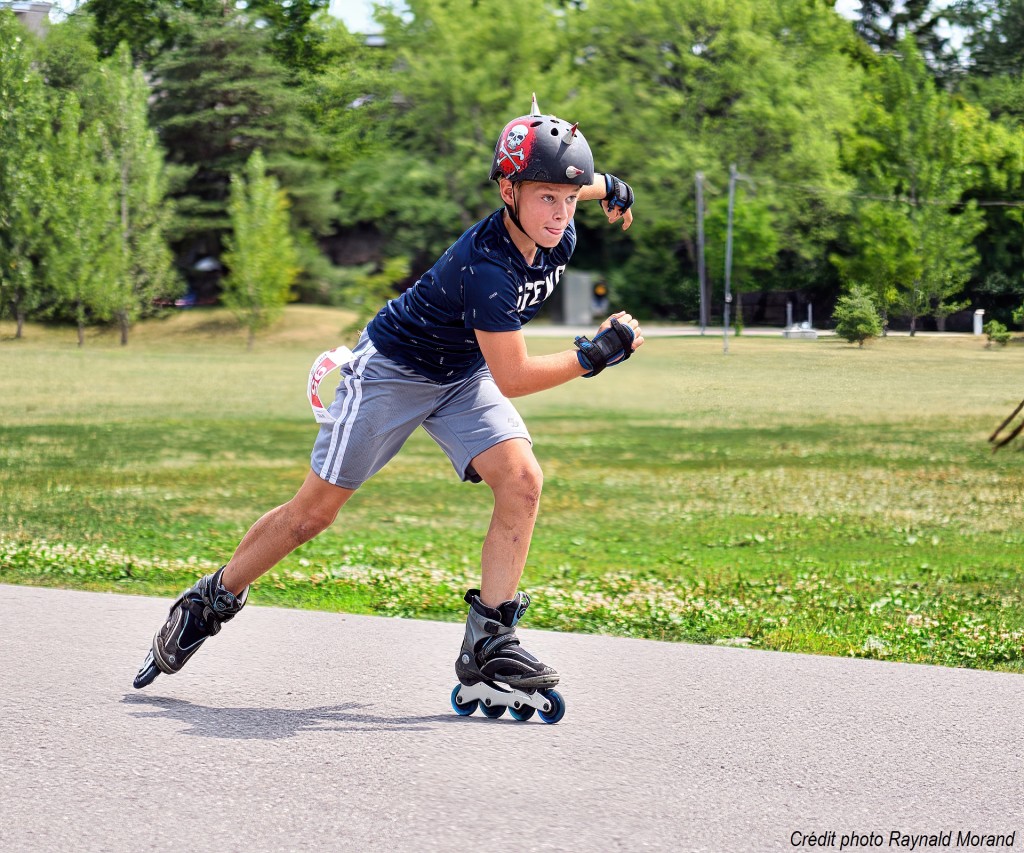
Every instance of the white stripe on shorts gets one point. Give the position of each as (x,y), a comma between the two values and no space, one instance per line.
(347,415)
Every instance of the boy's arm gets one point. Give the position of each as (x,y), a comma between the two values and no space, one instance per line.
(517,373)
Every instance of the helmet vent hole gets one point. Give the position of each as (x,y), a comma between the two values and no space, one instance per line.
(554,131)
(536,124)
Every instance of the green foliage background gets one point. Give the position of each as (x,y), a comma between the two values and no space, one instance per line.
(875,152)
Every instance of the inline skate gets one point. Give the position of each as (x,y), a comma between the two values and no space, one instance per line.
(495,672)
(197,613)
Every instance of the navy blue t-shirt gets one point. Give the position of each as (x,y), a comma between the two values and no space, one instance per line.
(481,282)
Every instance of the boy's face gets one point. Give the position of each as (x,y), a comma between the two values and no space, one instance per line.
(544,210)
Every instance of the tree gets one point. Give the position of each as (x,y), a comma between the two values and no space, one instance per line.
(886,24)
(150,27)
(699,86)
(994,35)
(68,55)
(916,158)
(298,43)
(220,97)
(24,173)
(425,115)
(130,147)
(83,262)
(153,28)
(856,316)
(879,253)
(261,255)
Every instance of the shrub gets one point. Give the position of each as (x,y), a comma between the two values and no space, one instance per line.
(997,333)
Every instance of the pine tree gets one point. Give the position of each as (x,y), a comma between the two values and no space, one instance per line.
(857,317)
(221,97)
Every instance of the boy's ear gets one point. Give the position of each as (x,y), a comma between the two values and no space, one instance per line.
(505,187)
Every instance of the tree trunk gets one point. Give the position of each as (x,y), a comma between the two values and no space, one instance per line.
(20,319)
(940,322)
(251,340)
(81,333)
(913,325)
(122,317)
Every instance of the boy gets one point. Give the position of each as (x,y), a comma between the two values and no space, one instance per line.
(447,355)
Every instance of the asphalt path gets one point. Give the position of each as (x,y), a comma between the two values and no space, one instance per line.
(295,730)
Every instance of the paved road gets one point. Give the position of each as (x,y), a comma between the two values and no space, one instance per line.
(313,731)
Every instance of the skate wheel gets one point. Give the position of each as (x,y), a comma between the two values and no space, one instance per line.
(463,709)
(492,712)
(522,714)
(557,706)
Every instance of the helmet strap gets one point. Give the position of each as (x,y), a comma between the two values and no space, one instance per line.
(514,216)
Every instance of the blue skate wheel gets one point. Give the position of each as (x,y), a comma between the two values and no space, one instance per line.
(462,709)
(522,714)
(557,706)
(492,712)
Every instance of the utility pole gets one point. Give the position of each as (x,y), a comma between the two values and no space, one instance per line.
(701,274)
(734,176)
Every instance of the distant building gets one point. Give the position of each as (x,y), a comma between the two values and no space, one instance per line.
(34,14)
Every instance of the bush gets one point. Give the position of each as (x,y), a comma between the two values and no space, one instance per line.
(856,316)
(997,333)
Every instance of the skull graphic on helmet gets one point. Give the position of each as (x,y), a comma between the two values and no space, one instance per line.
(516,136)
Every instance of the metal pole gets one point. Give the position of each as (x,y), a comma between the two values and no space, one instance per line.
(701,275)
(733,174)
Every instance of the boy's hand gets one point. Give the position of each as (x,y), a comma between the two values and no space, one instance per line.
(626,320)
(618,200)
(616,340)
(614,215)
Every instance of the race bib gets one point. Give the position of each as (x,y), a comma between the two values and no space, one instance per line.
(325,363)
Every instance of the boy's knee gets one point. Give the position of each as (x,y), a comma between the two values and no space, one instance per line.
(521,482)
(307,523)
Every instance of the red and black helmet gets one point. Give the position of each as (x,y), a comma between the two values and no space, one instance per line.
(542,148)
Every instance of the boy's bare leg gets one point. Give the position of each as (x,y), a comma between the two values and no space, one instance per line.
(493,668)
(512,472)
(199,612)
(283,529)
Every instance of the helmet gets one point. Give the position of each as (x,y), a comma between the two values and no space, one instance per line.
(542,148)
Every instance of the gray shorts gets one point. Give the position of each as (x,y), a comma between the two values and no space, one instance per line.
(379,403)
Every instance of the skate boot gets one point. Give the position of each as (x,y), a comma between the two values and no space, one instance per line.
(197,614)
(495,672)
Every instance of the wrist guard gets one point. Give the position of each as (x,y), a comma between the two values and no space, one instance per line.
(619,194)
(610,347)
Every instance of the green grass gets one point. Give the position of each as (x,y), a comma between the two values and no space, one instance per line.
(795,495)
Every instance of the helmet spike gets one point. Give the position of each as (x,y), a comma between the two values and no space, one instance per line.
(570,134)
(534,109)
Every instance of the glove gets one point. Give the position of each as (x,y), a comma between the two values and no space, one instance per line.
(612,346)
(619,193)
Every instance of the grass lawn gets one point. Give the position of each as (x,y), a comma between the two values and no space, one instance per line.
(807,496)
